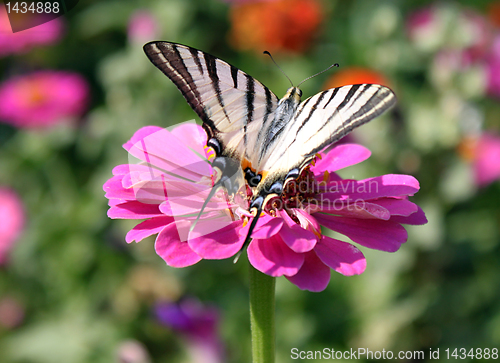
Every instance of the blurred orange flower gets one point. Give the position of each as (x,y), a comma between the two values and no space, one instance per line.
(494,13)
(356,75)
(276,26)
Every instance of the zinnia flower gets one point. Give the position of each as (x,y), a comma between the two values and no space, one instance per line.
(43,99)
(276,26)
(22,41)
(12,217)
(174,179)
(198,324)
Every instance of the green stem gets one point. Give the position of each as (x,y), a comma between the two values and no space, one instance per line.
(262,316)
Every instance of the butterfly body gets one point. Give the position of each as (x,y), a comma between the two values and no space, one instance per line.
(257,137)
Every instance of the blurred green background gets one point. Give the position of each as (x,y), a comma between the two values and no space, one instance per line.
(73,291)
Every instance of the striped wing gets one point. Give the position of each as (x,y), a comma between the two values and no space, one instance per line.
(322,120)
(232,105)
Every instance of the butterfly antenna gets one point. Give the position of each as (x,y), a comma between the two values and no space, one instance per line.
(317,74)
(269,54)
(210,195)
(249,234)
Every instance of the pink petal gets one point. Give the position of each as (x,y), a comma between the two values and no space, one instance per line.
(340,157)
(359,209)
(134,210)
(223,243)
(147,228)
(314,275)
(306,220)
(273,257)
(141,134)
(390,185)
(266,227)
(340,256)
(183,162)
(124,169)
(417,218)
(169,247)
(399,207)
(121,169)
(193,134)
(296,237)
(188,198)
(377,234)
(114,189)
(113,202)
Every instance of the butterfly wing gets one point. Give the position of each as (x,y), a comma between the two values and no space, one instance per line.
(232,105)
(318,122)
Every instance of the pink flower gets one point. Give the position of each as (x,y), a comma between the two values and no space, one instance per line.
(486,159)
(493,68)
(142,27)
(12,217)
(171,185)
(43,99)
(20,42)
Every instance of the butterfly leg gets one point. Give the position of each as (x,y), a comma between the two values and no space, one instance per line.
(229,177)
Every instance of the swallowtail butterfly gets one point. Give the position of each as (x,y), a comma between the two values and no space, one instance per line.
(268,141)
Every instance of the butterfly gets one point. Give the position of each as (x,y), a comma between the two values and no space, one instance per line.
(267,141)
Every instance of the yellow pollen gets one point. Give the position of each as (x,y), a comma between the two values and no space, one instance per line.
(318,234)
(318,155)
(326,176)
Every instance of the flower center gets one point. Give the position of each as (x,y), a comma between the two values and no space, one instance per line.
(296,194)
(33,93)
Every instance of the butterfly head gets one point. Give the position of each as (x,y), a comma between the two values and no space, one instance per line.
(294,93)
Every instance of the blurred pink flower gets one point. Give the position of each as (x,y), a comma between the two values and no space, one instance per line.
(43,99)
(446,26)
(198,324)
(142,27)
(19,42)
(12,221)
(420,23)
(486,159)
(493,68)
(287,239)
(132,351)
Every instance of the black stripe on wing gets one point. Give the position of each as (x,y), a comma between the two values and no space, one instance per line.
(351,111)
(205,80)
(381,100)
(250,97)
(166,57)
